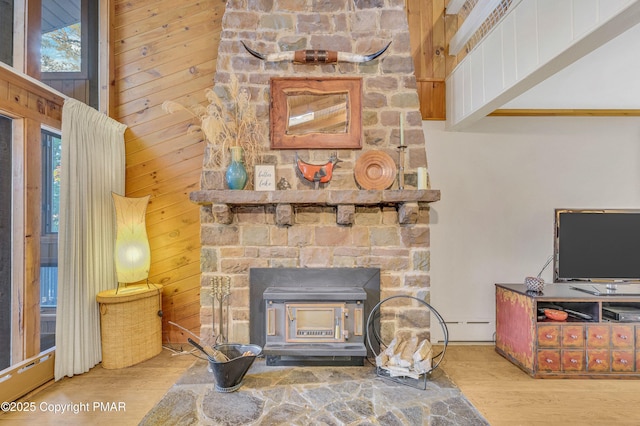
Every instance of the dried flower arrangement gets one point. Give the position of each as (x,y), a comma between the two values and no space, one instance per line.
(228,122)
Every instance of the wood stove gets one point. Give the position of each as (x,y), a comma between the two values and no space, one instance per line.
(312,316)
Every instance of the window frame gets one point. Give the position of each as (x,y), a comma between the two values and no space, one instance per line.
(47,184)
(84,49)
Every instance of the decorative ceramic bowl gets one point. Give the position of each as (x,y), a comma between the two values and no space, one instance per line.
(555,314)
(534,284)
(375,170)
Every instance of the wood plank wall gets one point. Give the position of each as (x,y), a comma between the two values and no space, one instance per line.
(430,30)
(166,50)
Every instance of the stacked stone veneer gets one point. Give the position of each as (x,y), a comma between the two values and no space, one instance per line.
(374,237)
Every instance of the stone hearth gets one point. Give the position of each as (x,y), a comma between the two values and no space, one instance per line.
(313,396)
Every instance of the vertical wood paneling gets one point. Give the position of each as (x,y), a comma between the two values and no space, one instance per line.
(438,39)
(74,88)
(421,37)
(430,30)
(33,201)
(166,50)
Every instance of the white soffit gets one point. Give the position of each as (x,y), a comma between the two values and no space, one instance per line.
(537,39)
(606,78)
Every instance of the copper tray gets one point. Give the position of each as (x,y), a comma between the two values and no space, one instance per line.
(375,170)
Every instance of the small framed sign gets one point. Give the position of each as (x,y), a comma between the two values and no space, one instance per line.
(265,177)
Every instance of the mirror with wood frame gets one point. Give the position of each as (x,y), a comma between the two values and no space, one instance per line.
(316,113)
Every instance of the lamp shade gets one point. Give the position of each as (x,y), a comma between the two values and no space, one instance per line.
(132,252)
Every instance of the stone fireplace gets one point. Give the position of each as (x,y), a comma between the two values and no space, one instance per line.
(338,225)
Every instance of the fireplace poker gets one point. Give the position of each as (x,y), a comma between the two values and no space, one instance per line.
(221,289)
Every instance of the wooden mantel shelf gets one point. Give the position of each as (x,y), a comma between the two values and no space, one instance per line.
(345,200)
(311,196)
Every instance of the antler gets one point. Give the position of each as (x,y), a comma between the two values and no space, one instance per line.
(316,56)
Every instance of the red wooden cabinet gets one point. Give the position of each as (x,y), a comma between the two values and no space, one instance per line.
(549,360)
(549,336)
(573,360)
(622,336)
(572,336)
(586,345)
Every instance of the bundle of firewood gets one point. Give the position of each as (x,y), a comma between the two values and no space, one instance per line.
(406,357)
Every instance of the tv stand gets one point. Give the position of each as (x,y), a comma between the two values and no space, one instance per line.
(587,344)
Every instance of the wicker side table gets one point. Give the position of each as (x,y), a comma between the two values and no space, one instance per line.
(130,325)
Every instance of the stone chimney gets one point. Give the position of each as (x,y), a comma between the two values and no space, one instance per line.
(237,236)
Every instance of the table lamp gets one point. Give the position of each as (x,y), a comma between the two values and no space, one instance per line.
(132,251)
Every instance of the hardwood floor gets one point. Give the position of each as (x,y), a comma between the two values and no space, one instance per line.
(134,390)
(505,395)
(499,390)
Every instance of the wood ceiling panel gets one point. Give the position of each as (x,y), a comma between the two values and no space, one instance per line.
(190,60)
(177,250)
(174,231)
(164,147)
(175,192)
(178,210)
(165,174)
(154,93)
(188,289)
(150,19)
(190,270)
(166,51)
(179,187)
(172,34)
(182,263)
(138,141)
(133,62)
(154,164)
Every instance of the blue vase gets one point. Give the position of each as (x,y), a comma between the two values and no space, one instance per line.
(236,175)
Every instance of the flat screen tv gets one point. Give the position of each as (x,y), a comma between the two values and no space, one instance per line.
(597,245)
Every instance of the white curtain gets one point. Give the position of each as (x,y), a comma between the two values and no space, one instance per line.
(92,166)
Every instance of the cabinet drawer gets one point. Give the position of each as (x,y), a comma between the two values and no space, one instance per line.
(622,360)
(622,336)
(573,360)
(549,336)
(598,336)
(572,336)
(549,360)
(598,360)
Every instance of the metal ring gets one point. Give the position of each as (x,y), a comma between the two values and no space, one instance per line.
(440,356)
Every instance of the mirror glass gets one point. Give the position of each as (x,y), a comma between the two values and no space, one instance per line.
(317,113)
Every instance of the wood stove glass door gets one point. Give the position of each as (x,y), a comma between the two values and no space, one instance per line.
(315,322)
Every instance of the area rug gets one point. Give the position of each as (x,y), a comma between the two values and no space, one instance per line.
(313,396)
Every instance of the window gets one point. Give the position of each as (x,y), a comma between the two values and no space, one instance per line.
(62,37)
(69,48)
(6,32)
(6,290)
(51,152)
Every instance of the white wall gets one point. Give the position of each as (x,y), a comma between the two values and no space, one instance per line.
(501,180)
